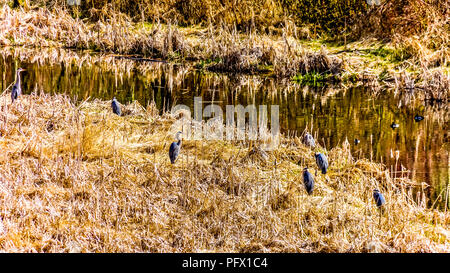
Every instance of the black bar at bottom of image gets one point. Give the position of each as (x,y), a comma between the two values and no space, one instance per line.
(218,262)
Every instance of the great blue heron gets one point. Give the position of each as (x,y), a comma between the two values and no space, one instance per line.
(418,118)
(322,162)
(394,125)
(116,107)
(308,181)
(17,89)
(308,140)
(175,147)
(379,198)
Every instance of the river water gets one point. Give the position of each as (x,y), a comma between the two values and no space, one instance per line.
(419,150)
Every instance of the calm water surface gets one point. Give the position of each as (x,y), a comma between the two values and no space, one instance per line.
(334,114)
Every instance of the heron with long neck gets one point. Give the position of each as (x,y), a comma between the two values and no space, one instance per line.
(17,89)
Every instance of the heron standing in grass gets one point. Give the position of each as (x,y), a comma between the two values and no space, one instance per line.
(322,162)
(308,181)
(308,140)
(116,107)
(17,89)
(379,198)
(380,201)
(175,147)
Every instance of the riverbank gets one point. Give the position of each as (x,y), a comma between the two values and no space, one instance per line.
(401,63)
(78,178)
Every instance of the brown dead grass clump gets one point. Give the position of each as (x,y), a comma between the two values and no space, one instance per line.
(97,182)
(436,85)
(245,13)
(117,33)
(41,28)
(216,48)
(410,17)
(418,27)
(295,59)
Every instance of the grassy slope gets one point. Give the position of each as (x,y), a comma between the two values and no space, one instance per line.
(81,179)
(98,182)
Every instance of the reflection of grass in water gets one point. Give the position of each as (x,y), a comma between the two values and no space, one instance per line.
(321,79)
(99,182)
(221,48)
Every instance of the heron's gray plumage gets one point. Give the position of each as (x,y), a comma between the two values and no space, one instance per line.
(322,162)
(379,198)
(174,149)
(308,140)
(308,181)
(16,89)
(116,107)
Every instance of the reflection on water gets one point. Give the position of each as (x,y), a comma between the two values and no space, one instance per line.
(334,115)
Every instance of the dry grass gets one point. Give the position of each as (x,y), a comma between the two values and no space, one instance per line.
(245,14)
(42,28)
(296,59)
(77,178)
(107,62)
(421,59)
(222,48)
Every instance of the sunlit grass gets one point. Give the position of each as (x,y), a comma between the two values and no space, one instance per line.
(97,182)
